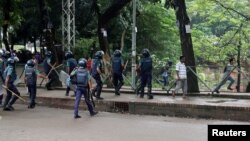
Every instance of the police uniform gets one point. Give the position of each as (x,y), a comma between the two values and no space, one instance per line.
(1,79)
(82,78)
(97,65)
(31,79)
(11,73)
(47,68)
(146,73)
(117,68)
(71,64)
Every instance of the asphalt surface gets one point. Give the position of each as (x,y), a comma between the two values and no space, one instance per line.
(50,124)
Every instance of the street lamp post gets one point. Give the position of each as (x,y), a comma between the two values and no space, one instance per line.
(134,45)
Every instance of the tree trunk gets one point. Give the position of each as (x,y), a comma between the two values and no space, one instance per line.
(103,20)
(6,22)
(122,39)
(46,33)
(34,41)
(5,37)
(186,44)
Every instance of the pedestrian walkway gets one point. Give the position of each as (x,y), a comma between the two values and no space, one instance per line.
(195,106)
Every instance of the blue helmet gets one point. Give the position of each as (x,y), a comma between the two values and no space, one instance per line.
(68,54)
(11,61)
(82,62)
(30,63)
(145,53)
(1,53)
(99,54)
(6,54)
(49,54)
(117,53)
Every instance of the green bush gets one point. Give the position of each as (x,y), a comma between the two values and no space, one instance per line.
(82,48)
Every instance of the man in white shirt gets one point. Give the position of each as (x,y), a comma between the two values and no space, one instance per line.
(181,73)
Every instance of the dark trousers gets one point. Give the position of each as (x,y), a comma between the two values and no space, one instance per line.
(117,81)
(98,87)
(51,77)
(223,82)
(165,80)
(79,92)
(32,94)
(146,79)
(11,99)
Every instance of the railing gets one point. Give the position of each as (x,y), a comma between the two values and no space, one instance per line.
(208,77)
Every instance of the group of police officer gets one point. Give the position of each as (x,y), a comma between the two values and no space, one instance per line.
(79,75)
(8,76)
(97,68)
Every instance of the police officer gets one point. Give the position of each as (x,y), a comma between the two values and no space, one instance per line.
(30,78)
(9,76)
(97,69)
(71,64)
(6,55)
(146,73)
(1,72)
(83,80)
(47,67)
(117,68)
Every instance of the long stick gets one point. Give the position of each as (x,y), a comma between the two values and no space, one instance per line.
(91,96)
(125,66)
(53,68)
(14,93)
(47,74)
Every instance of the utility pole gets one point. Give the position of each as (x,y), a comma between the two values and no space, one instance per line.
(68,24)
(134,30)
(238,65)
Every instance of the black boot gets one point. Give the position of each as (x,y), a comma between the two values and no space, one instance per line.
(6,102)
(150,96)
(1,100)
(98,93)
(142,92)
(117,90)
(120,86)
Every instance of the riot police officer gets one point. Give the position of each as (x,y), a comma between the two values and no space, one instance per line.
(83,80)
(146,73)
(71,64)
(30,81)
(97,69)
(47,66)
(117,68)
(1,78)
(9,77)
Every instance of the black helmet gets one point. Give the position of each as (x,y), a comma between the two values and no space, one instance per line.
(6,54)
(1,53)
(49,54)
(145,52)
(68,54)
(170,63)
(117,53)
(99,54)
(82,62)
(30,63)
(10,61)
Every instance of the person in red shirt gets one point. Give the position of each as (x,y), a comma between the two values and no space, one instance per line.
(89,64)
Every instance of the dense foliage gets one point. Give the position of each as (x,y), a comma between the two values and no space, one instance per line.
(218,27)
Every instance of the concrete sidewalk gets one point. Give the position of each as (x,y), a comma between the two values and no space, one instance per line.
(195,106)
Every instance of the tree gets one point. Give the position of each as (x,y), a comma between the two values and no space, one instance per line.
(186,41)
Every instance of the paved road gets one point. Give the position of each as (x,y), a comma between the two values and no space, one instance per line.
(49,124)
